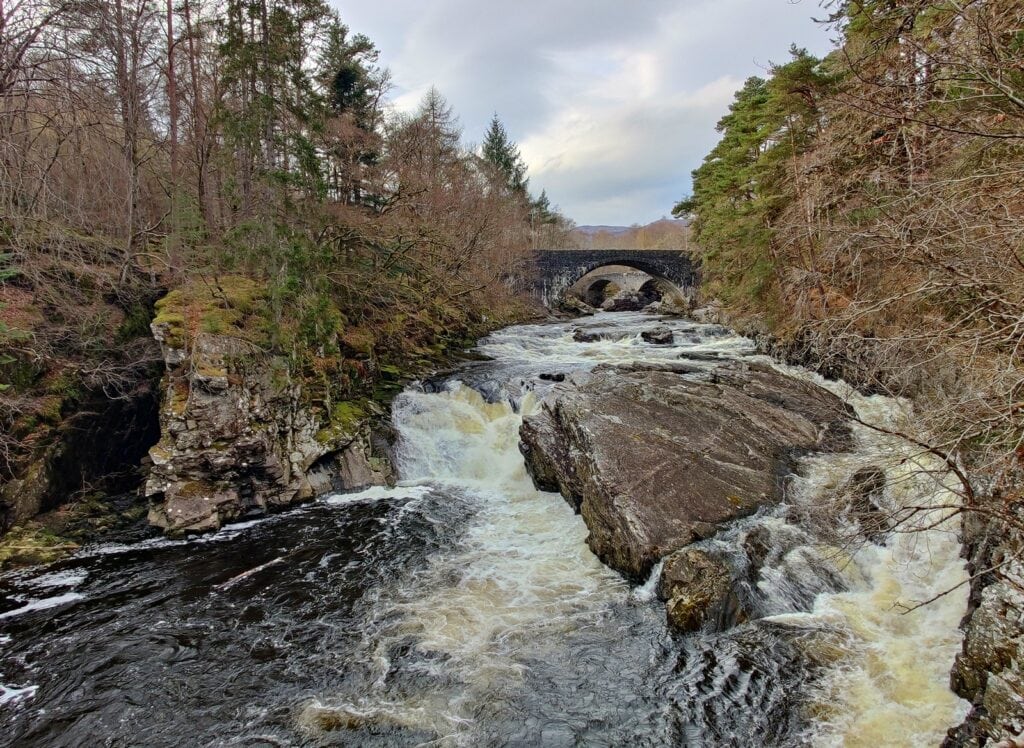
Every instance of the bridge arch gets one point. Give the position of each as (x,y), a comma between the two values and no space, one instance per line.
(597,290)
(558,269)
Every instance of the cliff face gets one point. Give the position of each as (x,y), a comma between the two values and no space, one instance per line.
(239,435)
(987,670)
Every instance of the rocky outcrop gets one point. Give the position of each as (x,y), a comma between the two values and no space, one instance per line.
(988,669)
(239,436)
(655,459)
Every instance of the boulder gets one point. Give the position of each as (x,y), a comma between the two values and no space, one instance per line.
(582,336)
(575,306)
(627,301)
(697,588)
(658,336)
(654,460)
(864,492)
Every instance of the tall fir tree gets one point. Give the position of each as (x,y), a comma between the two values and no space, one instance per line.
(503,156)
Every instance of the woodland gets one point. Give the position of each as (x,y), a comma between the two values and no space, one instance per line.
(865,211)
(237,159)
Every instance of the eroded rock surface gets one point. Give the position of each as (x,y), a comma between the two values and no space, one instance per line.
(656,459)
(238,437)
(988,669)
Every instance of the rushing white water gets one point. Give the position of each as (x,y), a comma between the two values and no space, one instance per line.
(893,679)
(522,579)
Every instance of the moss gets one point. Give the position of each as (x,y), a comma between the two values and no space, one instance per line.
(217,306)
(32,543)
(348,413)
(211,372)
(178,397)
(359,340)
(195,489)
(22,375)
(135,324)
(66,385)
(161,451)
(50,408)
(345,419)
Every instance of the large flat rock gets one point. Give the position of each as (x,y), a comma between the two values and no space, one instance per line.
(655,459)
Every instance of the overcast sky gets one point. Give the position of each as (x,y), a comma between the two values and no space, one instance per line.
(612,102)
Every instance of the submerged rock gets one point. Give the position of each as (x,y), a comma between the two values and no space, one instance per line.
(654,460)
(865,491)
(582,336)
(658,336)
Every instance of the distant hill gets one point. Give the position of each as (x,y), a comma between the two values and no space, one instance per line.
(665,233)
(613,230)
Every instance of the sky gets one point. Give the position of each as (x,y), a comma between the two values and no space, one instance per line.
(612,102)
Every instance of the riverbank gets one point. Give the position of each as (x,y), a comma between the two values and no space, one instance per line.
(235,421)
(991,542)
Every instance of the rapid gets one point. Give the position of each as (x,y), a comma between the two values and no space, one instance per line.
(463,607)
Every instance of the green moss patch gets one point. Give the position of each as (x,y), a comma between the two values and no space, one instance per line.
(218,306)
(32,543)
(345,419)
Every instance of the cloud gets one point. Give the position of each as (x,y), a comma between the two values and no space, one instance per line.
(612,103)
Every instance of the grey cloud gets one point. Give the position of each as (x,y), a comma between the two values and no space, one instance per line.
(613,103)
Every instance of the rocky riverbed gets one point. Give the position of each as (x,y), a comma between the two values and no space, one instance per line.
(749,592)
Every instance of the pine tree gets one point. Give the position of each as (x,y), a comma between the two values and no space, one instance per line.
(503,156)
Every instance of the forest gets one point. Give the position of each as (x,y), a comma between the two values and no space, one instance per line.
(864,209)
(240,159)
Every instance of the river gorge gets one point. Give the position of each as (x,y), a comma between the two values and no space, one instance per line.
(464,607)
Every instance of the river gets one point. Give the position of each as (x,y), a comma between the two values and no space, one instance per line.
(464,608)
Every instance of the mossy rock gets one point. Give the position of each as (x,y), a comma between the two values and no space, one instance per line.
(345,419)
(194,489)
(30,544)
(359,340)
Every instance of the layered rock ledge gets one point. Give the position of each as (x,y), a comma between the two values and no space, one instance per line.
(655,458)
(238,437)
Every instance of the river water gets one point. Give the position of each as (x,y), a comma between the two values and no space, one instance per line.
(463,608)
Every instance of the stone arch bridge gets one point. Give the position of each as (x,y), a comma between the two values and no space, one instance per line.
(555,270)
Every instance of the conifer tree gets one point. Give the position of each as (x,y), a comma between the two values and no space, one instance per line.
(503,156)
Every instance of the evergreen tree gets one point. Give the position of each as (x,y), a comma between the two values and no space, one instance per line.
(747,179)
(541,212)
(503,156)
